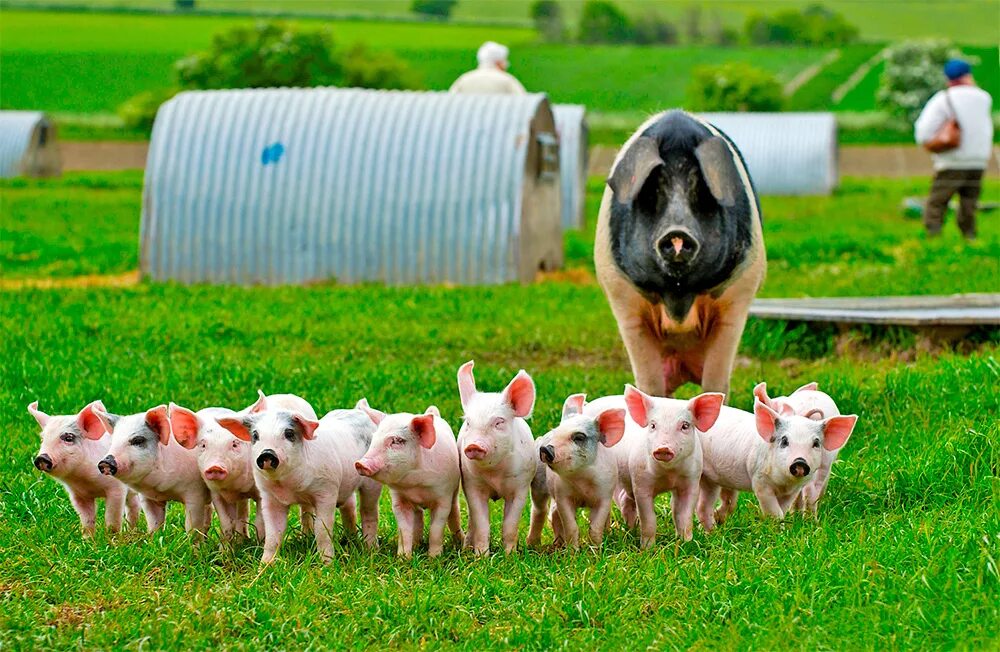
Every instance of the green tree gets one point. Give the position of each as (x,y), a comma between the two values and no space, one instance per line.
(548,18)
(913,73)
(603,22)
(734,86)
(435,8)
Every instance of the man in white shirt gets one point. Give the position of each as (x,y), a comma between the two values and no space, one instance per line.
(958,170)
(491,77)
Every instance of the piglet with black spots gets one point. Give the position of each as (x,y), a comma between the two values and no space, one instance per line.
(72,445)
(145,457)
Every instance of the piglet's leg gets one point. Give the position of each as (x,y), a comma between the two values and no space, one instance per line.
(769,502)
(370,493)
(132,508)
(114,509)
(479,518)
(599,520)
(439,517)
(325,515)
(197,517)
(512,510)
(455,520)
(706,504)
(155,511)
(682,505)
(86,509)
(275,522)
(645,505)
(404,526)
(349,516)
(729,499)
(242,516)
(228,516)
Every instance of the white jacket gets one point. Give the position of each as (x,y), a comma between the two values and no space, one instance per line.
(489,81)
(973,106)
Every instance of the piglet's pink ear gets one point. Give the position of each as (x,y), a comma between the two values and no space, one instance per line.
(638,405)
(159,422)
(375,415)
(423,428)
(760,393)
(236,426)
(433,411)
(705,409)
(308,426)
(808,387)
(93,421)
(184,425)
(767,420)
(837,430)
(520,394)
(40,416)
(611,425)
(260,405)
(466,383)
(782,408)
(573,405)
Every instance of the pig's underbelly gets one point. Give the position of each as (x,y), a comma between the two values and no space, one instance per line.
(683,343)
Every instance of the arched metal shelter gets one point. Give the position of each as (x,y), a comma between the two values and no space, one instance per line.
(28,145)
(571,123)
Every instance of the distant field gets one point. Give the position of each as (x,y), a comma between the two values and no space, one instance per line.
(966,21)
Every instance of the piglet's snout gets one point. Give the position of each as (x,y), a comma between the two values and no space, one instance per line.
(267,460)
(663,454)
(799,468)
(547,454)
(216,472)
(475,452)
(108,466)
(364,468)
(43,463)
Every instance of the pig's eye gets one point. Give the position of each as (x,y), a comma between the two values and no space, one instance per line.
(290,434)
(202,445)
(68,437)
(783,442)
(652,425)
(254,436)
(685,426)
(579,438)
(499,423)
(396,441)
(137,441)
(815,443)
(236,445)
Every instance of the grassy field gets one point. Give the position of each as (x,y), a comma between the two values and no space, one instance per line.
(912,515)
(970,21)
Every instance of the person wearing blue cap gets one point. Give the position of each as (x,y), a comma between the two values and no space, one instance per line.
(957,126)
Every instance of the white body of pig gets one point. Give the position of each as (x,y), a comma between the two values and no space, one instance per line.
(416,456)
(582,470)
(499,459)
(773,456)
(300,461)
(72,445)
(145,457)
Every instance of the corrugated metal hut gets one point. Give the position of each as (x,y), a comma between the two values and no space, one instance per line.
(28,145)
(571,123)
(285,186)
(787,153)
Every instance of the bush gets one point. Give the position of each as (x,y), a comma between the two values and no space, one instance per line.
(548,19)
(366,68)
(913,72)
(138,112)
(815,25)
(734,86)
(719,34)
(267,54)
(603,22)
(652,29)
(435,8)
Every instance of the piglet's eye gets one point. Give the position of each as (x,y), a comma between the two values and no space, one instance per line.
(499,423)
(68,437)
(397,441)
(236,445)
(784,442)
(254,436)
(815,443)
(685,426)
(289,434)
(579,438)
(136,441)
(652,425)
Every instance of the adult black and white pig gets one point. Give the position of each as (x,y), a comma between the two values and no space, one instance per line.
(680,252)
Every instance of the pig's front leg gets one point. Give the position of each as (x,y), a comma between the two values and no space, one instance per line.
(682,506)
(275,522)
(114,508)
(479,518)
(599,515)
(720,350)
(439,517)
(455,520)
(86,509)
(539,512)
(645,353)
(228,515)
(349,516)
(769,502)
(418,526)
(307,518)
(645,503)
(513,507)
(155,511)
(568,527)
(707,495)
(370,492)
(258,522)
(729,499)
(132,508)
(243,517)
(403,512)
(326,514)
(197,517)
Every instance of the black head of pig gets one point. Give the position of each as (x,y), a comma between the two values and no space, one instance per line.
(681,219)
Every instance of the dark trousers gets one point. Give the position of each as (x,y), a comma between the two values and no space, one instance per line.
(968,184)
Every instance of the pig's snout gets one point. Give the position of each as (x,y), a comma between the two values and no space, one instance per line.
(678,246)
(663,454)
(799,468)
(267,460)
(43,463)
(364,468)
(547,454)
(216,472)
(108,466)
(475,452)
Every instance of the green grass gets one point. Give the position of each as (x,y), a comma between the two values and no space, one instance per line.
(912,515)
(88,224)
(817,91)
(970,21)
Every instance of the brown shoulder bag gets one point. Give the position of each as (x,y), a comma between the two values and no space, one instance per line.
(949,136)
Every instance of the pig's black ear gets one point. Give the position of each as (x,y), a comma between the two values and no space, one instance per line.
(641,158)
(719,169)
